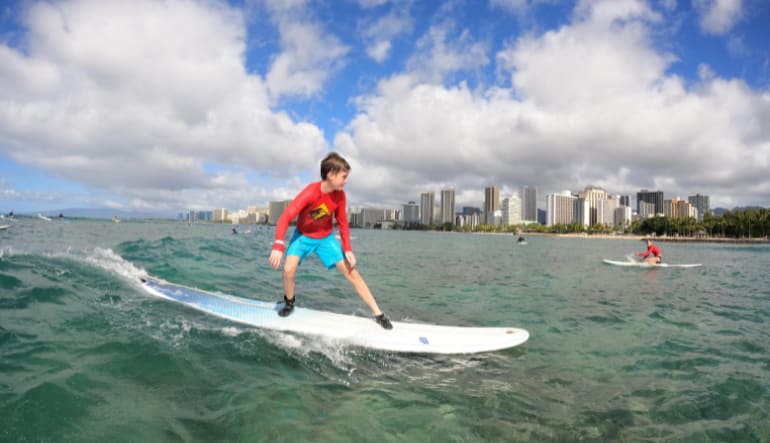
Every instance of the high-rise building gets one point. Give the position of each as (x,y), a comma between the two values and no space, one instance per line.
(701,203)
(646,209)
(411,213)
(370,217)
(447,206)
(594,196)
(654,197)
(511,210)
(560,208)
(582,212)
(678,208)
(275,209)
(607,209)
(622,216)
(491,204)
(529,203)
(491,199)
(219,215)
(256,214)
(625,200)
(427,203)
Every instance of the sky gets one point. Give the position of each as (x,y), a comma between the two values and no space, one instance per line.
(177,105)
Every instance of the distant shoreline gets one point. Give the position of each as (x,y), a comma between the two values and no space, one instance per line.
(680,239)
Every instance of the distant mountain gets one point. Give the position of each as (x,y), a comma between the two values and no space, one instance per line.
(719,211)
(105,213)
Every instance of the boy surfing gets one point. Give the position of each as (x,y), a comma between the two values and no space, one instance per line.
(313,208)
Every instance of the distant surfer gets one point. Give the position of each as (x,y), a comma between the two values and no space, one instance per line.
(313,208)
(652,255)
(235,231)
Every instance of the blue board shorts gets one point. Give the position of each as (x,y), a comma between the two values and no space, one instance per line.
(328,249)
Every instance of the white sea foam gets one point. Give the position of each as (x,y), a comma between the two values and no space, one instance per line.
(6,252)
(109,260)
(304,346)
(231,331)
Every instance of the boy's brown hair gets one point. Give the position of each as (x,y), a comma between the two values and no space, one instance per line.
(333,163)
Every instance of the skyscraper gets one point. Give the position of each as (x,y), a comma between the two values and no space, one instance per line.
(560,208)
(529,203)
(701,203)
(448,206)
(654,197)
(511,210)
(491,203)
(594,196)
(427,202)
(491,199)
(411,213)
(275,209)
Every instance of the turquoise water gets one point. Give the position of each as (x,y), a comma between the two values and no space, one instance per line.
(615,354)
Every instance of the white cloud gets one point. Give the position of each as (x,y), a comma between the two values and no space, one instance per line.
(591,103)
(379,33)
(309,55)
(519,7)
(718,16)
(440,53)
(144,98)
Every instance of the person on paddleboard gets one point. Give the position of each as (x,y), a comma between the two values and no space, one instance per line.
(652,255)
(313,208)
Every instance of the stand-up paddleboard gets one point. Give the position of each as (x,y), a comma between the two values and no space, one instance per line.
(348,329)
(641,264)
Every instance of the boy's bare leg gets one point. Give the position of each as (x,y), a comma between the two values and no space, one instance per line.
(354,277)
(289,272)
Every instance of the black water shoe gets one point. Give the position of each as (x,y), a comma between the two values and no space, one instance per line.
(288,306)
(383,321)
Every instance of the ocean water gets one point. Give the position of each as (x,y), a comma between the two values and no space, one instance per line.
(615,354)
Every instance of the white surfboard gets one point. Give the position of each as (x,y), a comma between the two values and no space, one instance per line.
(641,264)
(4,227)
(348,329)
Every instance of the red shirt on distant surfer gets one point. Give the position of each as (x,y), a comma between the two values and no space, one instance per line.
(652,255)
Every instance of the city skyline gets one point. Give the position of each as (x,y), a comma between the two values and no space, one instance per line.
(241,107)
(593,209)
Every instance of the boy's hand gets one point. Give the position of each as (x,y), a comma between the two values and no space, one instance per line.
(351,259)
(275,258)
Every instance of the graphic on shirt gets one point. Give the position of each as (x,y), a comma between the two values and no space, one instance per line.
(320,212)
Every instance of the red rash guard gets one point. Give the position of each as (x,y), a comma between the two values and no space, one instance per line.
(652,249)
(314,210)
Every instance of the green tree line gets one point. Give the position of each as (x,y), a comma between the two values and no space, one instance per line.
(741,223)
